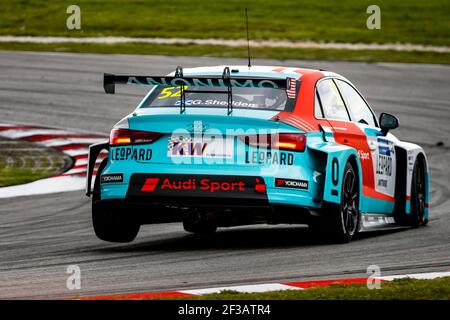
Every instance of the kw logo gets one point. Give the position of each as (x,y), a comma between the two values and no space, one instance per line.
(181,148)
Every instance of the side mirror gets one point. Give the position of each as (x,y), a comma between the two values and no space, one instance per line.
(388,122)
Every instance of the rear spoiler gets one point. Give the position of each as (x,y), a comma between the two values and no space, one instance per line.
(225,80)
(291,85)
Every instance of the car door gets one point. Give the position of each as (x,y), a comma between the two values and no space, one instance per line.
(355,125)
(382,147)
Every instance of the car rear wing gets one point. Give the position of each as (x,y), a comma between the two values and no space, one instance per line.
(290,85)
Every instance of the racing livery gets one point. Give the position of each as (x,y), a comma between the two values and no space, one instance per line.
(224,146)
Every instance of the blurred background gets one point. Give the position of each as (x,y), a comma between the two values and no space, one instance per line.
(414,22)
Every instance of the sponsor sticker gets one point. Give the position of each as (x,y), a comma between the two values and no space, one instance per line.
(215,102)
(112,178)
(291,88)
(140,154)
(290,183)
(363,155)
(200,148)
(202,82)
(268,157)
(186,188)
(205,184)
(385,152)
(160,184)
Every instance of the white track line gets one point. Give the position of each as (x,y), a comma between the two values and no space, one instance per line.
(265,287)
(44,186)
(248,288)
(280,286)
(430,275)
(272,43)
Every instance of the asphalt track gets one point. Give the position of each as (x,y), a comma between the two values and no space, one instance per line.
(40,236)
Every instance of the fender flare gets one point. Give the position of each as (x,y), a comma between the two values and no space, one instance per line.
(337,157)
(94,151)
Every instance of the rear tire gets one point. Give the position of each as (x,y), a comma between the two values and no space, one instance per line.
(342,220)
(418,189)
(111,222)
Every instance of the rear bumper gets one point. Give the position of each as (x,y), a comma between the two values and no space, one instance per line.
(232,200)
(137,186)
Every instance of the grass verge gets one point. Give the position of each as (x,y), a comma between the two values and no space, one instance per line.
(400,289)
(23,162)
(412,21)
(239,52)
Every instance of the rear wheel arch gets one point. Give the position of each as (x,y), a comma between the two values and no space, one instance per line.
(354,162)
(335,218)
(356,166)
(336,161)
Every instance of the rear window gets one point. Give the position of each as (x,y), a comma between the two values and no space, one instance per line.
(243,98)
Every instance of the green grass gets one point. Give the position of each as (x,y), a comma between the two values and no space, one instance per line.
(14,176)
(23,162)
(401,289)
(412,21)
(217,51)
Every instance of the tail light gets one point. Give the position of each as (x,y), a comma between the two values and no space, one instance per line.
(281,141)
(125,136)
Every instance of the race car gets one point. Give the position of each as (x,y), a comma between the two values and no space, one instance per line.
(236,145)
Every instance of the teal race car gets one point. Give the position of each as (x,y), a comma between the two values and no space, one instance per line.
(233,145)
